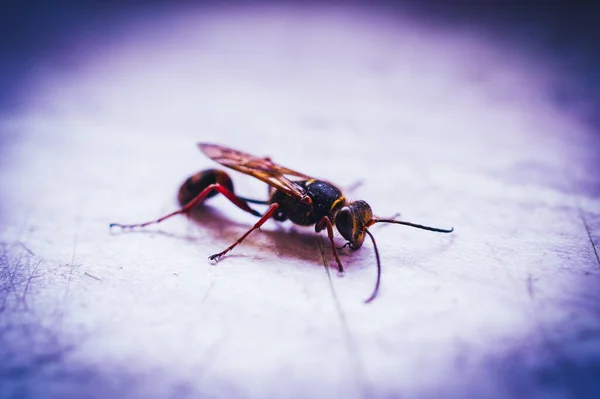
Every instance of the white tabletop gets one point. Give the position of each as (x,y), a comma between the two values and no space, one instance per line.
(447,126)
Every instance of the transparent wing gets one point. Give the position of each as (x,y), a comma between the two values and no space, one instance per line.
(261,168)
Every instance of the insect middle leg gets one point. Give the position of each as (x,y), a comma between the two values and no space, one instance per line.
(240,203)
(325,222)
(262,220)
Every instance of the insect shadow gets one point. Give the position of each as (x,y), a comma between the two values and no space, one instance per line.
(288,242)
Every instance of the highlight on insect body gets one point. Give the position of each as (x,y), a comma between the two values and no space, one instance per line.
(305,201)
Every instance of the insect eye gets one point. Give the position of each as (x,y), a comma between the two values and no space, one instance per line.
(344,222)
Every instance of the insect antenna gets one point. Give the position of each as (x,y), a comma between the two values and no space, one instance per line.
(418,226)
(376,290)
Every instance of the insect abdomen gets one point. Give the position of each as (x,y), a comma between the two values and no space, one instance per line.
(198,182)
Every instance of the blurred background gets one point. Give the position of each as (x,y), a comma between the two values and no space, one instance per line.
(37,31)
(479,115)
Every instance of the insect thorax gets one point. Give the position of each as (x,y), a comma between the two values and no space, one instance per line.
(326,198)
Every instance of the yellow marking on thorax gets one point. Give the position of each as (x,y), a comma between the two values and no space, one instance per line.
(309,182)
(336,202)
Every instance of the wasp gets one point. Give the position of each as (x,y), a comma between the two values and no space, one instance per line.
(305,201)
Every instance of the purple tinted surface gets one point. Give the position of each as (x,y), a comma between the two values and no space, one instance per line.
(449,123)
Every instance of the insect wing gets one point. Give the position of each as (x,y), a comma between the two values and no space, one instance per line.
(261,168)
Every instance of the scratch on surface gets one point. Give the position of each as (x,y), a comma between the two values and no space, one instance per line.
(72,264)
(589,233)
(32,275)
(350,342)
(530,281)
(72,268)
(16,275)
(10,284)
(29,251)
(212,284)
(30,343)
(92,276)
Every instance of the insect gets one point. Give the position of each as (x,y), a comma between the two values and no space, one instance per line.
(305,201)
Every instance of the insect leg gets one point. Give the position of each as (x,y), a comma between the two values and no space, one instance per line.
(325,221)
(198,199)
(254,201)
(262,220)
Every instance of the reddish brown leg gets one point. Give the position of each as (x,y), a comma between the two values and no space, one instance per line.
(262,220)
(198,199)
(319,226)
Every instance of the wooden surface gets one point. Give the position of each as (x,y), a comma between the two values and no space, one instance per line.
(446,125)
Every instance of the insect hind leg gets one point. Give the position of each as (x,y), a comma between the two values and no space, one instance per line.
(240,203)
(257,225)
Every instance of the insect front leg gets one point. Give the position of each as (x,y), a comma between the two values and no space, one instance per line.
(326,223)
(262,220)
(240,203)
